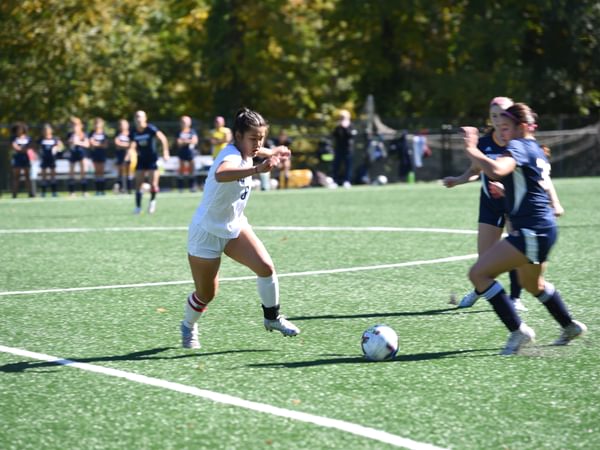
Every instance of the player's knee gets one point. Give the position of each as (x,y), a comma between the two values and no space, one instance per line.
(474,274)
(266,269)
(534,286)
(208,294)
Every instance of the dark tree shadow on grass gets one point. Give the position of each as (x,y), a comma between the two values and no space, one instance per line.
(340,359)
(430,312)
(145,355)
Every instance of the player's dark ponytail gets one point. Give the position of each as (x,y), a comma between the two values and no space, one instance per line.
(246,119)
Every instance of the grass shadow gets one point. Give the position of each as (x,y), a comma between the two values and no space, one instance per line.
(143,355)
(430,312)
(338,359)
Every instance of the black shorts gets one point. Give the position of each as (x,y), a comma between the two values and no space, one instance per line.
(21,161)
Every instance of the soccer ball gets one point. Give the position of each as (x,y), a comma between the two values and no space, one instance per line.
(379,342)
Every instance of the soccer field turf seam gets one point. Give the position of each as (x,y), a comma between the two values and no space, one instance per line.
(249,277)
(359,430)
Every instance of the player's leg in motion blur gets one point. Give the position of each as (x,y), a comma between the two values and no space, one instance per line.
(247,249)
(206,282)
(487,235)
(501,258)
(546,293)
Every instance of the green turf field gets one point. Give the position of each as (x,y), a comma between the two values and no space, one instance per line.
(338,275)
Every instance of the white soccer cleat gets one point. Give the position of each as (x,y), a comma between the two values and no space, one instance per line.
(189,336)
(152,207)
(517,339)
(468,300)
(519,306)
(282,325)
(570,332)
(137,210)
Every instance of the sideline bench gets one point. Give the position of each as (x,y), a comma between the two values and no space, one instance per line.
(168,170)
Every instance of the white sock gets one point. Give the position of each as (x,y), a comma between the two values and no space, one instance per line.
(194,308)
(268,290)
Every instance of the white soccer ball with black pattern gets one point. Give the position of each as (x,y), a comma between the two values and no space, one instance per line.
(380,342)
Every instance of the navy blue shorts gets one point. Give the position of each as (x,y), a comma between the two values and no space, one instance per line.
(76,156)
(120,155)
(98,155)
(185,154)
(491,211)
(21,160)
(534,244)
(48,163)
(146,164)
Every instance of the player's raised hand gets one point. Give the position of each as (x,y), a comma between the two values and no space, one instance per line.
(282,152)
(471,136)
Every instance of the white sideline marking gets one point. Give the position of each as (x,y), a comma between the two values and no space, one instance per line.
(265,228)
(349,427)
(249,277)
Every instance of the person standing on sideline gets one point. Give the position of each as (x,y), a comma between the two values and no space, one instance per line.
(220,137)
(492,214)
(99,145)
(220,226)
(122,144)
(21,165)
(344,135)
(143,141)
(285,165)
(523,171)
(78,145)
(49,145)
(187,140)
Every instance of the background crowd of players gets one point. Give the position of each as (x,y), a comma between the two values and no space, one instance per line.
(135,147)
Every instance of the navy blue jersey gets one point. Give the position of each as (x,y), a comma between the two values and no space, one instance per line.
(187,135)
(21,159)
(145,142)
(526,200)
(124,140)
(99,137)
(122,143)
(490,148)
(75,143)
(46,145)
(24,142)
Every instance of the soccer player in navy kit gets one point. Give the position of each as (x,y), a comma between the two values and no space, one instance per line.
(99,145)
(220,226)
(491,210)
(187,140)
(143,141)
(49,145)
(524,173)
(122,145)
(21,164)
(78,145)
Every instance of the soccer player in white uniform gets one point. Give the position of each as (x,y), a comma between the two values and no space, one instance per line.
(220,226)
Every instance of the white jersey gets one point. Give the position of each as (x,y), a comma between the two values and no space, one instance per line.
(221,211)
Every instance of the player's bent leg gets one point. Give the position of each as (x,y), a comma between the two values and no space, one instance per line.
(500,258)
(205,273)
(487,236)
(247,249)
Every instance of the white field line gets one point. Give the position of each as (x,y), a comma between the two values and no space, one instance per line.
(265,228)
(249,277)
(349,427)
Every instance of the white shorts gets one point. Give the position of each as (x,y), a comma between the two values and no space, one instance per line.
(203,244)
